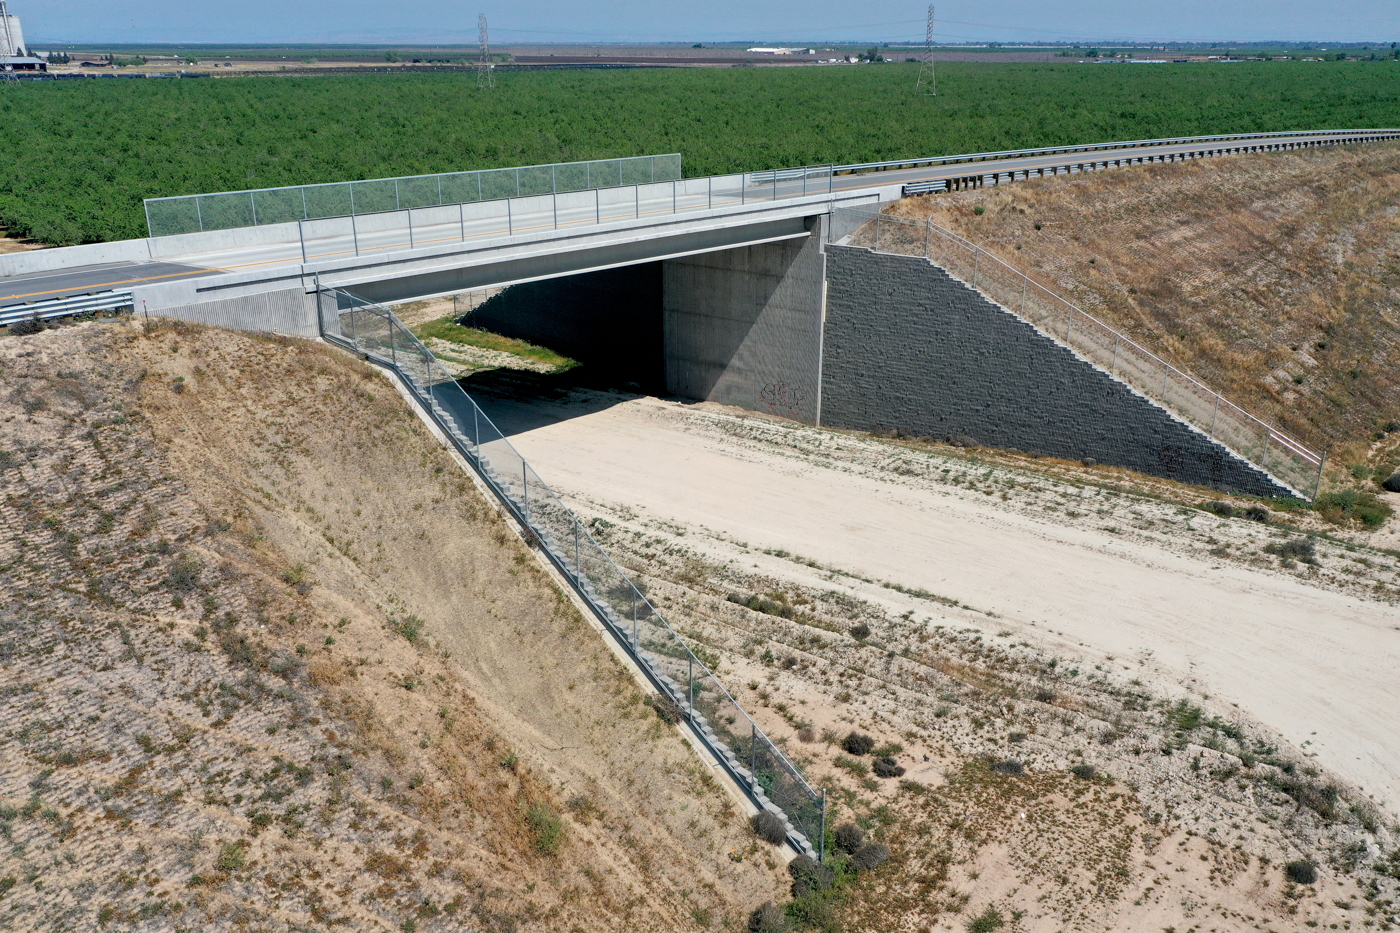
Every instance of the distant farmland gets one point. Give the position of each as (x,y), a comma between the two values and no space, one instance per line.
(81,156)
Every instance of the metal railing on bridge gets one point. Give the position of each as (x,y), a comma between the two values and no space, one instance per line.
(678,674)
(1273,451)
(227,210)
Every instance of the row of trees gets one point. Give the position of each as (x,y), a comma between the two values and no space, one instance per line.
(83,155)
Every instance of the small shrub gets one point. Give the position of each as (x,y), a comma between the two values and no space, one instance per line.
(1351,505)
(184,573)
(546,829)
(1044,695)
(768,827)
(25,328)
(7,461)
(1010,766)
(887,768)
(230,858)
(1016,738)
(853,765)
(807,734)
(979,210)
(768,918)
(870,856)
(860,632)
(849,838)
(987,921)
(1083,772)
(809,876)
(1301,871)
(858,743)
(410,628)
(1300,549)
(667,709)
(814,912)
(1223,509)
(1392,484)
(1257,513)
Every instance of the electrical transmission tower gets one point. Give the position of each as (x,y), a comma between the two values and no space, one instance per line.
(924,85)
(485,70)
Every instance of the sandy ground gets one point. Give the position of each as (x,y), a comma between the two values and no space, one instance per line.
(1308,655)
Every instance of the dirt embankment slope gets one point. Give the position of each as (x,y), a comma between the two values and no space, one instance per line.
(269,660)
(1273,277)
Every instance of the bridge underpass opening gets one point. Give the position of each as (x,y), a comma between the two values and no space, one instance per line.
(740,326)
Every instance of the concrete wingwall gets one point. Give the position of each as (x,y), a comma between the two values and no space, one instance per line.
(909,347)
(743,326)
(289,311)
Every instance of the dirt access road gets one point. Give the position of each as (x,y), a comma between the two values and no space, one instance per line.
(1132,582)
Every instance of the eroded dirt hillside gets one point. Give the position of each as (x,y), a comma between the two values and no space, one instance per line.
(268,660)
(1273,277)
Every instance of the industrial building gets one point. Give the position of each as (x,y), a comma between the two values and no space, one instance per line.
(11,35)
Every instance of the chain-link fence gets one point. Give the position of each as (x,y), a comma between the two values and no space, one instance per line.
(745,751)
(1282,457)
(226,210)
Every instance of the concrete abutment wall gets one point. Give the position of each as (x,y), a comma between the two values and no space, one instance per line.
(743,326)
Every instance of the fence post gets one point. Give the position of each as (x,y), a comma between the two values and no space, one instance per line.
(753,753)
(1321,463)
(510,224)
(637,201)
(1114,370)
(554,187)
(804,182)
(597,206)
(821,844)
(199,213)
(462,220)
(1264,459)
(673,197)
(1024,282)
(1166,374)
(252,202)
(476,429)
(1069,326)
(1214,415)
(710,192)
(877,233)
(554,203)
(690,688)
(635,644)
(398,205)
(525,488)
(517,183)
(301,233)
(928,232)
(976,255)
(439,181)
(355,232)
(578,568)
(410,228)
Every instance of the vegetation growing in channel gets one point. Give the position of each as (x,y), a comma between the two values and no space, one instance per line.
(84,154)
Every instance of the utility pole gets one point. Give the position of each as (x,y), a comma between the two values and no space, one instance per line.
(485,70)
(924,84)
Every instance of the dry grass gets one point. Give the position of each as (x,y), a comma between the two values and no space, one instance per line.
(211,550)
(1272,277)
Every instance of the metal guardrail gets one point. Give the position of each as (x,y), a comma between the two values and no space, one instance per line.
(1282,457)
(64,307)
(742,748)
(1095,147)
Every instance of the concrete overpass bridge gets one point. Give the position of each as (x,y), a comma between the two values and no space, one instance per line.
(726,277)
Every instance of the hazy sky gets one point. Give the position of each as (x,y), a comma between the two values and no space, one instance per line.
(587,21)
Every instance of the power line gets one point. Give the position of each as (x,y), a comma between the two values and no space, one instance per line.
(924,84)
(485,70)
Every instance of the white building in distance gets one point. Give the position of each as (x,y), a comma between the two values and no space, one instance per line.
(11,35)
